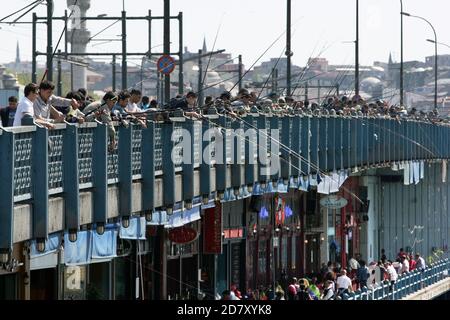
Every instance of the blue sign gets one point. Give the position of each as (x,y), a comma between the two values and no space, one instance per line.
(166,64)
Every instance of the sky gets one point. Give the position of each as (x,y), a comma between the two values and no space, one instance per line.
(324,28)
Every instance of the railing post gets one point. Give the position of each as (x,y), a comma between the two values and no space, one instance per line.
(274,154)
(71,179)
(7,155)
(323,144)
(237,163)
(125,171)
(168,165)
(188,162)
(148,167)
(263,159)
(286,139)
(295,145)
(251,149)
(100,174)
(314,138)
(40,190)
(221,156)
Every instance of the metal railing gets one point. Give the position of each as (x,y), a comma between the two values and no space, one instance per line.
(407,284)
(73,158)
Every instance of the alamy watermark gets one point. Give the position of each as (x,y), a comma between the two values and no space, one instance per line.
(242,147)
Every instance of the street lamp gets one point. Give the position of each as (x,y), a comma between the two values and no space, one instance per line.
(401,55)
(435,55)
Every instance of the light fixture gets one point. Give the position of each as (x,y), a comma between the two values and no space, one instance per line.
(100,228)
(73,235)
(4,256)
(40,245)
(298,228)
(126,221)
(306,241)
(255,231)
(322,239)
(250,188)
(188,204)
(278,229)
(220,195)
(169,210)
(287,228)
(236,192)
(205,199)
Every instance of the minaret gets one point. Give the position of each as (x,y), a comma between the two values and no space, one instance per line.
(17,54)
(204,50)
(79,37)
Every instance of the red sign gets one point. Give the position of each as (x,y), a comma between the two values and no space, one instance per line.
(212,233)
(280,215)
(183,235)
(166,64)
(234,233)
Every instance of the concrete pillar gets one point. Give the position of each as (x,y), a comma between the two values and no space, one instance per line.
(369,232)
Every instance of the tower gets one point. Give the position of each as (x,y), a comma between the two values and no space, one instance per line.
(17,55)
(78,37)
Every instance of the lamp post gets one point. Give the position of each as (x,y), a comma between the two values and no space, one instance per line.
(357,51)
(435,55)
(401,55)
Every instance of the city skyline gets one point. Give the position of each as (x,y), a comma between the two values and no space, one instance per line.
(379,20)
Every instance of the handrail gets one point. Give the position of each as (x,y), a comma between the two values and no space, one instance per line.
(407,284)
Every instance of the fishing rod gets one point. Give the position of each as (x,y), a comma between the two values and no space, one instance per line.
(210,57)
(302,159)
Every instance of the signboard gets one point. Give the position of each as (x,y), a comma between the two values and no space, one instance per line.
(212,233)
(333,202)
(183,235)
(231,234)
(166,64)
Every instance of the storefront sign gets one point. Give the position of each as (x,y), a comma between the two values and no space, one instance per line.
(333,202)
(183,235)
(234,233)
(212,233)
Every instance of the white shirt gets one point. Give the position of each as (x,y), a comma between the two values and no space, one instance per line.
(25,107)
(344,282)
(132,107)
(405,266)
(393,276)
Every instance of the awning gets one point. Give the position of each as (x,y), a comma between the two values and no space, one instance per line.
(181,218)
(135,231)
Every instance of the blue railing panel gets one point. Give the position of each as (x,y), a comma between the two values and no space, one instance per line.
(23,151)
(55,159)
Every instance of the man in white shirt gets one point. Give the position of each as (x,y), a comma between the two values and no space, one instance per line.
(420,265)
(393,276)
(405,265)
(344,283)
(26,108)
(132,106)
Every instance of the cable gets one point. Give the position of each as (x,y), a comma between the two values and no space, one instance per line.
(24,8)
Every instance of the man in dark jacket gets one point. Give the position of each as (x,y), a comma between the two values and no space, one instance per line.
(7,114)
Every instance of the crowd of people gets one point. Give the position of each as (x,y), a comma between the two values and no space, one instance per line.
(44,108)
(334,281)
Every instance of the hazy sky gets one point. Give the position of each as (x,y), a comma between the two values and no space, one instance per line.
(248,27)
